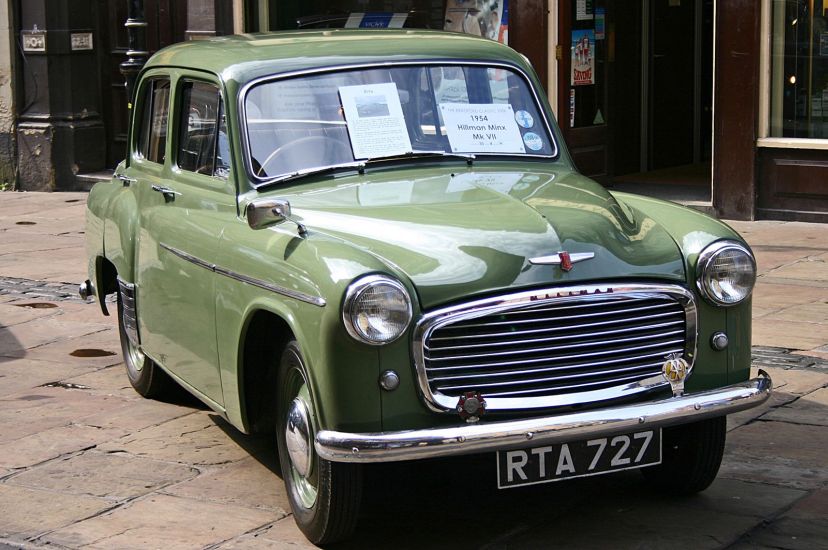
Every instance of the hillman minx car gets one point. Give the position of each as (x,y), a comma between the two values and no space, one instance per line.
(375,244)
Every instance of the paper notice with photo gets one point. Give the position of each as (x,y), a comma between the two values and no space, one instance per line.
(375,120)
(481,128)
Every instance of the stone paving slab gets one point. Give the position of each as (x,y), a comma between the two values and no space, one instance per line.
(191,439)
(247,483)
(778,453)
(18,341)
(52,443)
(162,521)
(20,374)
(103,475)
(26,513)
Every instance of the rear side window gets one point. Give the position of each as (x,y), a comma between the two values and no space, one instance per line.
(152,135)
(202,135)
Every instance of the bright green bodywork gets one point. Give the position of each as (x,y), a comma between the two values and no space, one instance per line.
(455,234)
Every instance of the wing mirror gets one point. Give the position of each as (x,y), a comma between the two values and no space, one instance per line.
(263,213)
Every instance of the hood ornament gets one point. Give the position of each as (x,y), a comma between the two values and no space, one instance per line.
(562,258)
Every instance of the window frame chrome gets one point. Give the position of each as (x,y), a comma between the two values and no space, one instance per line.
(257,181)
(438,402)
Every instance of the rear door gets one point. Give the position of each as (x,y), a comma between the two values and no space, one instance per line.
(186,199)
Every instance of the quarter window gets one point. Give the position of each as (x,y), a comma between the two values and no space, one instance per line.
(203,144)
(152,140)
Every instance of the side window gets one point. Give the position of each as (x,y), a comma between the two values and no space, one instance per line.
(152,137)
(203,146)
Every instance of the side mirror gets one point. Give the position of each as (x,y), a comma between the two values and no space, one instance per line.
(263,213)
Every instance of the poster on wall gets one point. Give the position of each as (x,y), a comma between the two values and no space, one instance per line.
(488,18)
(583,10)
(583,57)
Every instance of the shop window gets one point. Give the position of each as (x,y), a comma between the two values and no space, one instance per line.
(799,69)
(588,55)
(152,141)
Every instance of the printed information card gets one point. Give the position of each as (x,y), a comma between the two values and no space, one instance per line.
(481,128)
(375,120)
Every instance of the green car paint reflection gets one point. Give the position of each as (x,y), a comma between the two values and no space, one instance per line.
(343,301)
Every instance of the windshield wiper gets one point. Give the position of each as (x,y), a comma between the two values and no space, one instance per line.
(360,165)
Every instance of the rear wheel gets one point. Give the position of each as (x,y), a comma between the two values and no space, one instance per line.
(325,496)
(146,377)
(691,456)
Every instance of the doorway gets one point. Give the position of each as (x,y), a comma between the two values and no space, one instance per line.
(636,101)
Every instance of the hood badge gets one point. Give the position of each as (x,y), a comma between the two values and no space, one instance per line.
(471,406)
(562,258)
(675,370)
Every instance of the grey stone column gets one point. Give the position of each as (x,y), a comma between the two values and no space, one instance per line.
(60,131)
(8,151)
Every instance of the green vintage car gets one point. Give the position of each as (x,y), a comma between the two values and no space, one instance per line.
(375,245)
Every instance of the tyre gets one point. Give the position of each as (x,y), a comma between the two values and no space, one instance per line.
(147,378)
(325,496)
(691,456)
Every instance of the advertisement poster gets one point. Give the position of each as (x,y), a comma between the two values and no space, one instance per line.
(376,20)
(583,10)
(482,128)
(488,18)
(583,57)
(600,23)
(375,120)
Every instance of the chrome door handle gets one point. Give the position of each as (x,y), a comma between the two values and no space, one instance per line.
(126,180)
(169,194)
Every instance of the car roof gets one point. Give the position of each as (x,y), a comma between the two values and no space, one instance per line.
(249,56)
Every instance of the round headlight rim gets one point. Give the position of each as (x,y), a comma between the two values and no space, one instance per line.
(707,255)
(355,290)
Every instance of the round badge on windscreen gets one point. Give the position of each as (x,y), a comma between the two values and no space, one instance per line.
(524,119)
(533,141)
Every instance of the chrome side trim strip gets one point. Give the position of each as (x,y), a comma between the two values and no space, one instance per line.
(491,436)
(296,295)
(570,295)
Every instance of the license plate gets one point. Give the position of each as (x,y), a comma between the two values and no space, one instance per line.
(591,457)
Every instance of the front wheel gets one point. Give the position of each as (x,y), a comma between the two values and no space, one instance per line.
(691,456)
(324,496)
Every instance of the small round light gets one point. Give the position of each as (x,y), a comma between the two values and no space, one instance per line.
(719,341)
(376,310)
(725,273)
(389,380)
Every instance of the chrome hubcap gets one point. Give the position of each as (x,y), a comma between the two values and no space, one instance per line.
(299,441)
(297,437)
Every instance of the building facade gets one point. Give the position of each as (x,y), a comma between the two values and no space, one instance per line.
(721,103)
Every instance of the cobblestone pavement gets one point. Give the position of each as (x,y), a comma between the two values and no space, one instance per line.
(85,462)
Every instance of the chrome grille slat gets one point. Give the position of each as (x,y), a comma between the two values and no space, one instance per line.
(554,347)
(460,326)
(529,351)
(484,376)
(570,327)
(562,357)
(431,370)
(589,385)
(548,339)
(482,386)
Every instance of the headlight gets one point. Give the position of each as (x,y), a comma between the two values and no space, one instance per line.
(725,273)
(377,309)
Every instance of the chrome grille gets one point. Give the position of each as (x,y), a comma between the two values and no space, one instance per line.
(552,348)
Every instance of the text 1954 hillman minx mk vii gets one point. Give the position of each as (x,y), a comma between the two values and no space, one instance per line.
(375,244)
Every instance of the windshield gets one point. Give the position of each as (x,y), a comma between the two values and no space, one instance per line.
(339,118)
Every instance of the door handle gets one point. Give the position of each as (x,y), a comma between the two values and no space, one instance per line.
(126,180)
(169,194)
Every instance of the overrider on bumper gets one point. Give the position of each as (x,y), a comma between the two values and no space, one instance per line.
(481,437)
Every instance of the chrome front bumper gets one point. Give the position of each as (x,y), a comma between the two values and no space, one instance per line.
(491,436)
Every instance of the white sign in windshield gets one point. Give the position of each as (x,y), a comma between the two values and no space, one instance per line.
(375,120)
(481,128)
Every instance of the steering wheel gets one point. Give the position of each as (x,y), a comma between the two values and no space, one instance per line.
(313,144)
